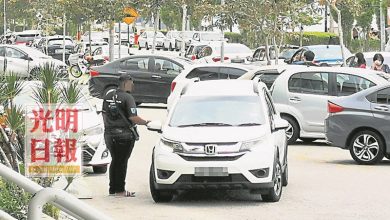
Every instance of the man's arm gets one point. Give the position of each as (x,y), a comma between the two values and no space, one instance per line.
(138,120)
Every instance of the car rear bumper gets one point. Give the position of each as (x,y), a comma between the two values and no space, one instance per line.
(335,132)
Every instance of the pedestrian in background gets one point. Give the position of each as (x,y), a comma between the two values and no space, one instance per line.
(361,61)
(378,64)
(120,117)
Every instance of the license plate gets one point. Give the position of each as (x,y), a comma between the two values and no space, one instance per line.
(60,51)
(211,171)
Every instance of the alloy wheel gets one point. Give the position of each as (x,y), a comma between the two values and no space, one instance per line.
(366,147)
(278,179)
(289,131)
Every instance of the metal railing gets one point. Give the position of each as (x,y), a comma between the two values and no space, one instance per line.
(59,198)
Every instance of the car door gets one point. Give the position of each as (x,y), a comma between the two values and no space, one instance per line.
(17,61)
(279,136)
(139,69)
(380,107)
(164,72)
(2,59)
(308,94)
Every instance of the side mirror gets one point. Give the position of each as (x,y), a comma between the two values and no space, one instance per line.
(287,60)
(250,59)
(27,57)
(155,126)
(280,124)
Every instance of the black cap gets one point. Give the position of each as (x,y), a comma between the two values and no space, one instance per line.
(125,76)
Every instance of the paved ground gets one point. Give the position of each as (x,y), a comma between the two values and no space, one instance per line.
(325,183)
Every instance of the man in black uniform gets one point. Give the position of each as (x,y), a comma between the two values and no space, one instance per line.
(119,113)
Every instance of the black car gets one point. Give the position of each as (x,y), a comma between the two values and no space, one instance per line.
(53,46)
(152,76)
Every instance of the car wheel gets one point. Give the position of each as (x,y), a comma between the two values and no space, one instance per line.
(34,74)
(308,140)
(387,156)
(139,47)
(367,147)
(275,192)
(170,47)
(99,169)
(292,130)
(146,46)
(285,176)
(158,195)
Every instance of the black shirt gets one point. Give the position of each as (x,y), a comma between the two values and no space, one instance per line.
(126,105)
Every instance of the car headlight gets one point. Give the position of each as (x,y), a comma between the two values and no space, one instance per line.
(105,153)
(248,145)
(176,146)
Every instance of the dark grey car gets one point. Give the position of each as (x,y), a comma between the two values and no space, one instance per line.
(360,123)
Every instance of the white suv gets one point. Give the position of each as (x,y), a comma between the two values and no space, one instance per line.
(223,134)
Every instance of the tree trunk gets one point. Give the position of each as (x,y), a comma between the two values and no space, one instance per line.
(267,50)
(340,27)
(111,42)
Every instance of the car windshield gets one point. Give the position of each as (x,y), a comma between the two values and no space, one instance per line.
(324,53)
(25,37)
(59,42)
(210,36)
(218,111)
(287,54)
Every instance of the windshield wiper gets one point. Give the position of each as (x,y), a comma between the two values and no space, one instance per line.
(249,124)
(204,125)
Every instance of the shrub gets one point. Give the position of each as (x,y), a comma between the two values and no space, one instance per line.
(312,38)
(233,37)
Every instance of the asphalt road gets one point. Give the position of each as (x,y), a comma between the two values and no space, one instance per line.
(324,183)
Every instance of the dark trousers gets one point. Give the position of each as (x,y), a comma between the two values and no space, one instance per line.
(120,143)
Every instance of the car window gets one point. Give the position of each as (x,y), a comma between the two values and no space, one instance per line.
(349,84)
(256,55)
(309,83)
(14,53)
(380,97)
(204,73)
(206,51)
(2,51)
(268,77)
(167,67)
(140,64)
(231,73)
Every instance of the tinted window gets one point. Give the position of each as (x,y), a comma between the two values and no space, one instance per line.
(231,73)
(380,97)
(350,84)
(268,77)
(309,83)
(14,53)
(135,64)
(166,66)
(204,73)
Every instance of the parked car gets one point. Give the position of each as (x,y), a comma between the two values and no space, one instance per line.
(126,34)
(152,76)
(204,72)
(360,123)
(145,40)
(185,37)
(352,60)
(233,53)
(53,46)
(203,147)
(286,52)
(91,140)
(301,94)
(26,61)
(325,55)
(26,37)
(170,40)
(266,74)
(193,50)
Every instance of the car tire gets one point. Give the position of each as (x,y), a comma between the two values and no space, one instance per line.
(367,147)
(158,195)
(34,74)
(139,47)
(99,169)
(308,140)
(293,129)
(146,46)
(285,176)
(170,47)
(387,156)
(274,194)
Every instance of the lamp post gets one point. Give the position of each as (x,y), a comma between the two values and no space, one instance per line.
(5,19)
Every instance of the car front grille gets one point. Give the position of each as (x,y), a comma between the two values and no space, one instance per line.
(232,178)
(87,154)
(225,158)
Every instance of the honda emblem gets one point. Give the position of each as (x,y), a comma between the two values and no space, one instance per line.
(209,149)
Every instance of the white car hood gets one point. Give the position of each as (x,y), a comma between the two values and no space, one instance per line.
(214,134)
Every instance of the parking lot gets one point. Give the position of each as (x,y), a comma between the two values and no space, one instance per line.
(324,183)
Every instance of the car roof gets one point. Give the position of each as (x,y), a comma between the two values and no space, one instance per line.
(320,46)
(58,37)
(220,88)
